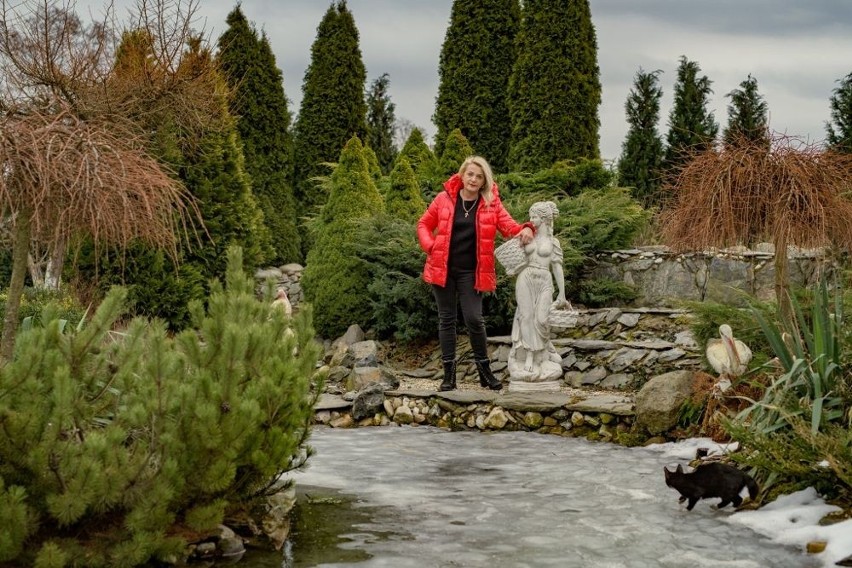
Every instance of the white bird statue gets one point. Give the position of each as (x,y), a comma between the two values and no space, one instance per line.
(283,302)
(727,355)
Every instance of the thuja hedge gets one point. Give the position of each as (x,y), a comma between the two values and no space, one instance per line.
(116,445)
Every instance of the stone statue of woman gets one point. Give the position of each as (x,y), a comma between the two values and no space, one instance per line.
(533,362)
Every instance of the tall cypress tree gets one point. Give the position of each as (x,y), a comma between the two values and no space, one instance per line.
(475,65)
(554,90)
(748,116)
(839,130)
(381,119)
(209,161)
(691,126)
(642,152)
(333,108)
(263,121)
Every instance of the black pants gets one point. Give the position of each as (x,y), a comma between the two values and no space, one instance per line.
(459,289)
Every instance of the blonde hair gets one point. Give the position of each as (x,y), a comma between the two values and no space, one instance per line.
(486,191)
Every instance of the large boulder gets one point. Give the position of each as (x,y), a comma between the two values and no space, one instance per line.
(659,401)
(360,377)
(369,401)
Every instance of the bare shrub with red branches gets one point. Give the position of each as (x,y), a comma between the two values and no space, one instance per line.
(77,119)
(790,193)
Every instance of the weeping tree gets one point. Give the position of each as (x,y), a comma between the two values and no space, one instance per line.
(789,192)
(64,177)
(75,160)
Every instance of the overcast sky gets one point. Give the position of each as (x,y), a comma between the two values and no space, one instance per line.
(797,50)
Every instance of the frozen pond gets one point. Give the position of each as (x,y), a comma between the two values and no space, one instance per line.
(517,499)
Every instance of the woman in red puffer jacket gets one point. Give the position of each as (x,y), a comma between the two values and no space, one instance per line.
(457,233)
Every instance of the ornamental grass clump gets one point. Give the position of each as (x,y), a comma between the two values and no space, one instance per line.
(798,431)
(119,446)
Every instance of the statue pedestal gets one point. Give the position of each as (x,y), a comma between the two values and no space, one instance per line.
(524,386)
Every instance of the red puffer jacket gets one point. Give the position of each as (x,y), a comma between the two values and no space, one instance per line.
(490,218)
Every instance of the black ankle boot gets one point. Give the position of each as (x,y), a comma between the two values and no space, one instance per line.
(449,382)
(486,377)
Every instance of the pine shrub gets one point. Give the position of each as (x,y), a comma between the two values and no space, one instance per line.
(156,288)
(116,443)
(425,164)
(605,293)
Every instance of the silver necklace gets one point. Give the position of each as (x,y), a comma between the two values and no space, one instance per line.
(466,210)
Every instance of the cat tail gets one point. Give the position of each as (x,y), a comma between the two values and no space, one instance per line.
(753,488)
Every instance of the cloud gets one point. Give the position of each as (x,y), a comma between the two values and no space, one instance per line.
(797,51)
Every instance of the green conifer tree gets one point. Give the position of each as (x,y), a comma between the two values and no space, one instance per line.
(381,119)
(210,164)
(424,162)
(335,281)
(214,172)
(748,115)
(554,90)
(263,121)
(333,107)
(213,169)
(839,130)
(692,127)
(417,152)
(373,164)
(639,167)
(475,65)
(403,200)
(456,150)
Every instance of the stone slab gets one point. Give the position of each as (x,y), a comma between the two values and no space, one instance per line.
(412,393)
(332,402)
(618,404)
(467,397)
(544,386)
(533,401)
(419,373)
(457,396)
(587,344)
(656,344)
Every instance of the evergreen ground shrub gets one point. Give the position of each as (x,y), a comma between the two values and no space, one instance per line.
(61,303)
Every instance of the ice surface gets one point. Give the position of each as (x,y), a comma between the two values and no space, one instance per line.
(519,499)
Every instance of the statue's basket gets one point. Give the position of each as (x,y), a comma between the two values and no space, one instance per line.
(564,318)
(511,256)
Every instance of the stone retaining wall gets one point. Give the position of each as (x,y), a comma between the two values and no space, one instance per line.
(615,348)
(727,276)
(287,277)
(595,416)
(661,277)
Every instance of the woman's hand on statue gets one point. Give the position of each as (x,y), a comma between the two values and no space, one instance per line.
(526,235)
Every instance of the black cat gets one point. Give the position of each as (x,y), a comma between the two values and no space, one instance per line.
(710,480)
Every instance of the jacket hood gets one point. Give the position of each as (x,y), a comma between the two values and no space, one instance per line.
(455,183)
